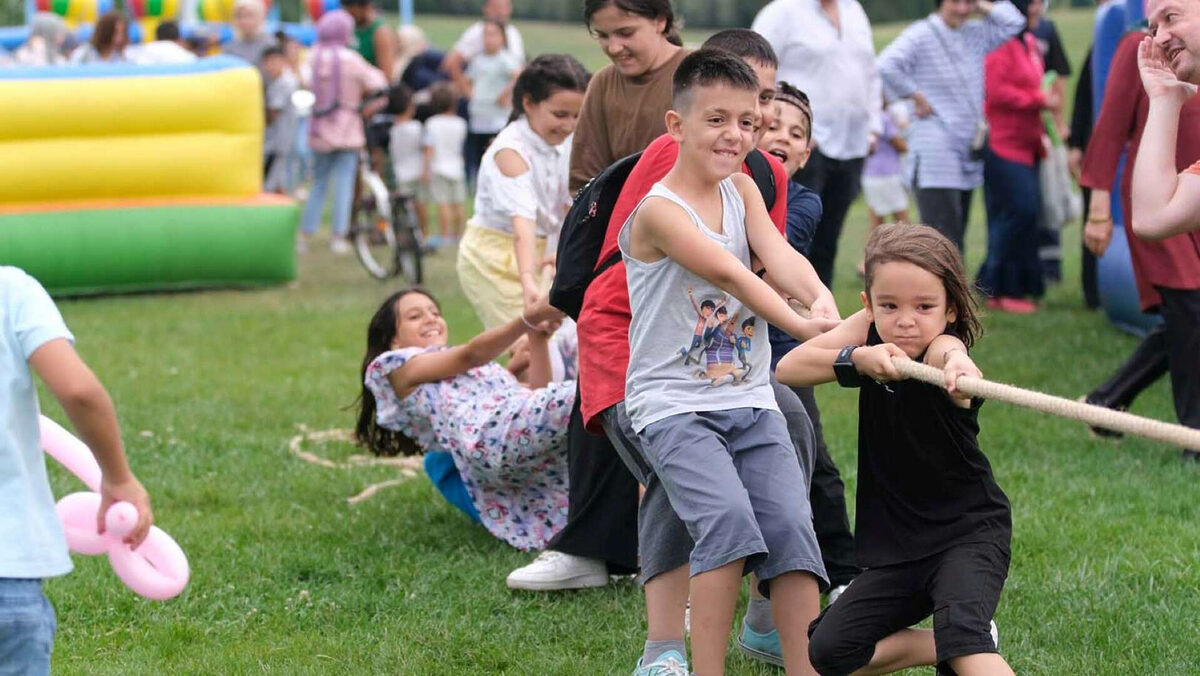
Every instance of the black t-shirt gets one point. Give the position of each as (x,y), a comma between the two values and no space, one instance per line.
(1051,47)
(923,483)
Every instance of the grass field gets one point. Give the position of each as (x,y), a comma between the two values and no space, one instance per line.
(288,578)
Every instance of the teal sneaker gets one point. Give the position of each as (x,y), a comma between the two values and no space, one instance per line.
(670,663)
(763,647)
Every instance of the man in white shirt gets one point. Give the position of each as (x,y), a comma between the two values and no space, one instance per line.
(167,48)
(825,49)
(470,44)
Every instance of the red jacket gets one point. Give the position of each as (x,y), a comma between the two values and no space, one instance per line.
(1174,262)
(604,319)
(1013,100)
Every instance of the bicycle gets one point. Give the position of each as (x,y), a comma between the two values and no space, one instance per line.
(383,229)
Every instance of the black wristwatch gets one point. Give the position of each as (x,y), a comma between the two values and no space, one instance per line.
(845,370)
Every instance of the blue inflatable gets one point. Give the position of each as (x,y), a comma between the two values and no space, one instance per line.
(1114,271)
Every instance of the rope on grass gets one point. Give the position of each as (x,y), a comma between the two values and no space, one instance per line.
(1095,416)
(409,465)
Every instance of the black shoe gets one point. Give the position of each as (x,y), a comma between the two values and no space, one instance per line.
(1191,456)
(1100,432)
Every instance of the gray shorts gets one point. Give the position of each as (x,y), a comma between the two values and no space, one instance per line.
(663,540)
(445,190)
(733,479)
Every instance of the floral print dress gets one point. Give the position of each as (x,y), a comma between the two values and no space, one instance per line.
(509,443)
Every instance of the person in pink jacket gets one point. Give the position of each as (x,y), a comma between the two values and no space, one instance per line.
(340,79)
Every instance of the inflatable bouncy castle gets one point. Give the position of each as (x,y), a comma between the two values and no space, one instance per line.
(127,178)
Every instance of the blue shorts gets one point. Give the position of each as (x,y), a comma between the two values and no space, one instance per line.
(27,626)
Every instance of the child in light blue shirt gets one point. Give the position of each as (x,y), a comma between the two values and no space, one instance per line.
(34,339)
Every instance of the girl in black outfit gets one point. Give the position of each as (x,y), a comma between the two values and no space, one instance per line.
(932,526)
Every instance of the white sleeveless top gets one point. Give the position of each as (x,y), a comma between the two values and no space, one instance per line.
(691,346)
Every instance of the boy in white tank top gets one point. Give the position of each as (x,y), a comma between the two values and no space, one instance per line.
(707,420)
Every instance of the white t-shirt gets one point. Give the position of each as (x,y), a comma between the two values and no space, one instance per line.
(278,136)
(470,44)
(446,135)
(33,542)
(490,74)
(159,52)
(540,194)
(405,149)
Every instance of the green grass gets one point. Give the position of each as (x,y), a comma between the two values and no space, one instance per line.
(289,578)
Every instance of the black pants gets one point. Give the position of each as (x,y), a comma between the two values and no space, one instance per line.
(838,182)
(1091,288)
(1181,316)
(1147,364)
(603,501)
(947,210)
(473,150)
(827,495)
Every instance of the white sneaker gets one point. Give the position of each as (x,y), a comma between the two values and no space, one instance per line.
(340,246)
(555,570)
(836,592)
(995,632)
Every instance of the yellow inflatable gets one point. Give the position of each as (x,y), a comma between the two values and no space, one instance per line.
(122,178)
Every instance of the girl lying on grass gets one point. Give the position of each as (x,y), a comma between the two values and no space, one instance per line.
(933,527)
(507,440)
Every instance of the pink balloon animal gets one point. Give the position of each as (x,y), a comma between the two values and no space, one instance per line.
(158,569)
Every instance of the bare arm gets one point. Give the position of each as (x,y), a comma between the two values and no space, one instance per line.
(385,51)
(812,363)
(91,412)
(790,271)
(950,354)
(539,372)
(512,165)
(661,228)
(455,66)
(1164,204)
(483,348)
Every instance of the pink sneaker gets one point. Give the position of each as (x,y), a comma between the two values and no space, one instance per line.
(1018,306)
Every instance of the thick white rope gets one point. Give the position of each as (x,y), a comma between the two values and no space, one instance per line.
(1096,416)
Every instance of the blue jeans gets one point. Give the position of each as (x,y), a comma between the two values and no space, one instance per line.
(27,626)
(1012,195)
(339,167)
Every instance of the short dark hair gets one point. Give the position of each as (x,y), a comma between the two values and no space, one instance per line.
(748,324)
(708,305)
(358,3)
(786,93)
(273,50)
(723,311)
(399,99)
(442,98)
(744,44)
(708,67)
(545,75)
(167,31)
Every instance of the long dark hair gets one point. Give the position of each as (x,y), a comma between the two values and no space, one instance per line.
(650,9)
(381,331)
(104,34)
(929,250)
(545,75)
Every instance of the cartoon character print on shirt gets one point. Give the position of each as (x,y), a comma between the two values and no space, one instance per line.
(706,322)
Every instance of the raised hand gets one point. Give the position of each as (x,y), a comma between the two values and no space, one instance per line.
(1157,77)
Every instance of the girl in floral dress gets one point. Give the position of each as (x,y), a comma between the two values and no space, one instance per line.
(507,440)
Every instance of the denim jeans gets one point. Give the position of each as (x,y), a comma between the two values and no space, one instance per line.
(339,167)
(27,626)
(1012,195)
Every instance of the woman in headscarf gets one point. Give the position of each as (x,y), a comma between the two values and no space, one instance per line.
(47,33)
(340,79)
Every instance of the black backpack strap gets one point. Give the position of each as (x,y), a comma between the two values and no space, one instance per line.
(764,178)
(608,263)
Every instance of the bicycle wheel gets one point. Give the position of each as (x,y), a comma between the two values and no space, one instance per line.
(409,243)
(374,239)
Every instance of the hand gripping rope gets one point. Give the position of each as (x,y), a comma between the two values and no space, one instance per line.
(1096,416)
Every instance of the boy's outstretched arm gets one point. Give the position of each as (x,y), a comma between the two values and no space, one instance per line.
(812,363)
(790,271)
(663,226)
(91,411)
